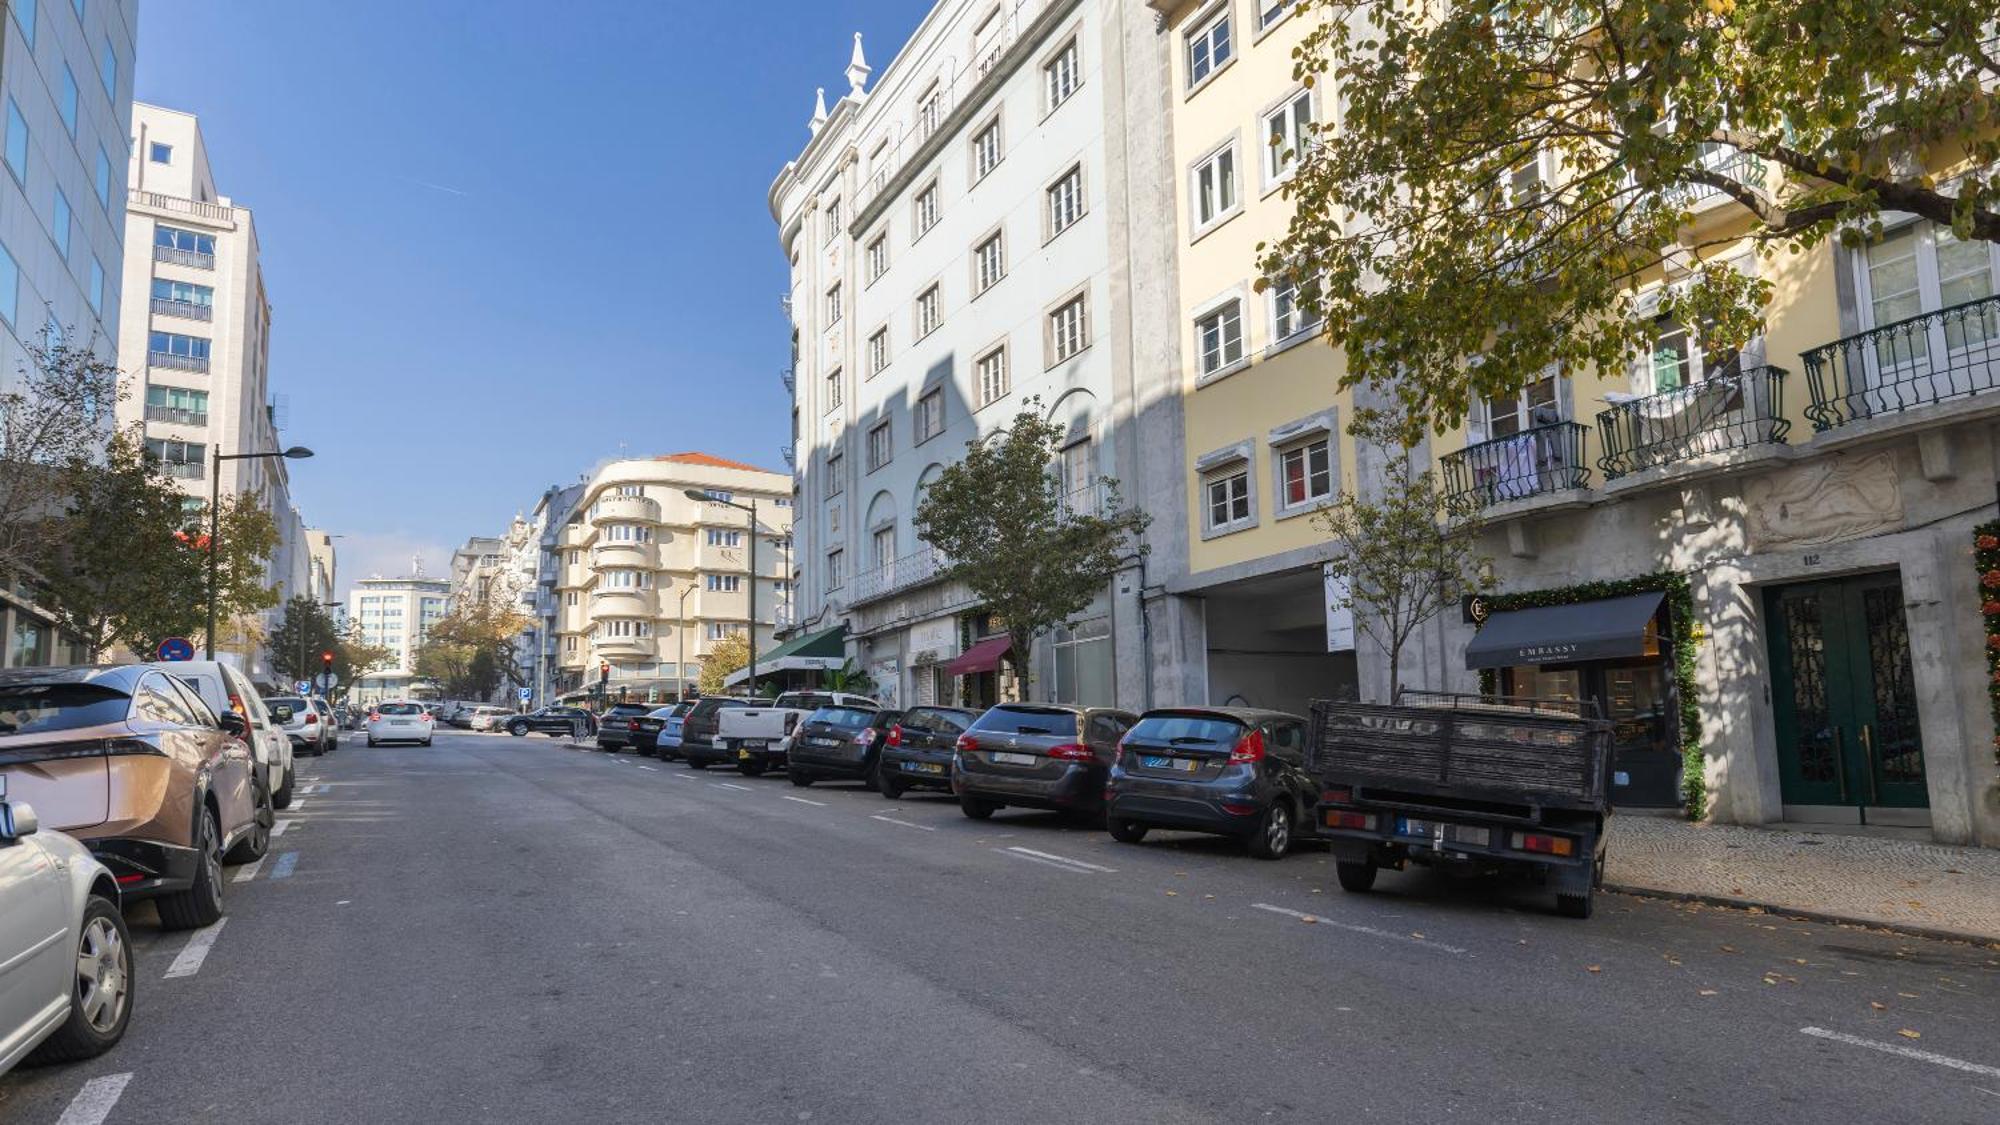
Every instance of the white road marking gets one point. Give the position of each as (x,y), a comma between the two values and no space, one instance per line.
(246,874)
(802,800)
(297,806)
(278,829)
(728,785)
(95,1101)
(655,769)
(1044,862)
(904,823)
(1064,859)
(1907,1052)
(684,776)
(196,950)
(1350,927)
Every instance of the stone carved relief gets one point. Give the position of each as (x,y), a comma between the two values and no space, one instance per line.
(1828,500)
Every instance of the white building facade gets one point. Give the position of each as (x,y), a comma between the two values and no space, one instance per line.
(394,613)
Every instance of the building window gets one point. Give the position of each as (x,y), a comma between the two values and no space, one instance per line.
(1065,201)
(929,315)
(161,154)
(836,565)
(989,264)
(1214,188)
(878,352)
(1287,132)
(836,465)
(1219,337)
(1228,496)
(833,306)
(881,446)
(1209,48)
(878,256)
(103,180)
(717,537)
(24,11)
(1272,12)
(59,223)
(719,630)
(832,220)
(990,376)
(1535,405)
(177,345)
(986,150)
(177,452)
(97,297)
(833,389)
(724,583)
(183,292)
(930,111)
(929,421)
(569,644)
(1919,268)
(1305,474)
(107,72)
(570,598)
(1063,76)
(176,404)
(1069,330)
(186,241)
(1289,316)
(1078,467)
(17,142)
(10,287)
(926,209)
(883,546)
(66,101)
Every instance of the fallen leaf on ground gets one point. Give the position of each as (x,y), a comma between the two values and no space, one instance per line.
(1878,1005)
(1308,918)
(1416,935)
(1798,960)
(1595,969)
(1729,949)
(1908,1034)
(1708,992)
(1907,995)
(1208,896)
(1171,894)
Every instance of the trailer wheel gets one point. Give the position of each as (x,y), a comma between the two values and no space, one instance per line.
(1575,906)
(1356,878)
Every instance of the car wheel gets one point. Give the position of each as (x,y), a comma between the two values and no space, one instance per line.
(282,799)
(371,740)
(101,1003)
(425,742)
(201,904)
(694,765)
(889,785)
(977,809)
(1356,878)
(254,845)
(1126,831)
(798,777)
(1272,838)
(314,752)
(517,729)
(751,768)
(1576,906)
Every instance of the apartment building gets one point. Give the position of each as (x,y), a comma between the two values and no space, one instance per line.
(395,613)
(66,96)
(971,235)
(646,579)
(324,565)
(541,651)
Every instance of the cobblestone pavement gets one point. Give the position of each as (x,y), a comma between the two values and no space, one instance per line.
(1866,879)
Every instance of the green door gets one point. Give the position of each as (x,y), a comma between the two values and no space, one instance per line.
(1844,695)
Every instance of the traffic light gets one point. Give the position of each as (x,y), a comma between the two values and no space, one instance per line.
(326,661)
(603,671)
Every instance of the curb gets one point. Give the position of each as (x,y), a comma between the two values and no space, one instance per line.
(1782,910)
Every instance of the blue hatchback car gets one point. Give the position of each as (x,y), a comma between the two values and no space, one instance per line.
(1225,770)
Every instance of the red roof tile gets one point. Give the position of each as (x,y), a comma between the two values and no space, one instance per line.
(711,461)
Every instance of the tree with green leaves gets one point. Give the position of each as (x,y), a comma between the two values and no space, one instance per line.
(1405,552)
(306,632)
(55,414)
(1032,553)
(470,650)
(723,658)
(1504,172)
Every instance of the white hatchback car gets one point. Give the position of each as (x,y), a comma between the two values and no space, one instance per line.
(65,955)
(399,721)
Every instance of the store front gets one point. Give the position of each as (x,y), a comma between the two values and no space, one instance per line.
(1612,652)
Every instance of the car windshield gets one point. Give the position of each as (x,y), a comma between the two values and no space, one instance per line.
(1188,730)
(844,716)
(400,709)
(297,705)
(1028,720)
(36,708)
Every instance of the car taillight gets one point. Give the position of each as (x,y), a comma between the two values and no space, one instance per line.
(895,735)
(310,719)
(374,716)
(1544,844)
(866,737)
(1336,818)
(1071,752)
(1337,794)
(1250,749)
(965,744)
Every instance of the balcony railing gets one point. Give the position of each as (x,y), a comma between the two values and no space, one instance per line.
(789,375)
(1735,410)
(185,309)
(900,574)
(1733,164)
(215,211)
(1939,356)
(1533,462)
(177,362)
(184,470)
(789,453)
(178,257)
(176,414)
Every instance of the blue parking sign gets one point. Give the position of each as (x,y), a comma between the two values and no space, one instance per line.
(176,648)
(526,694)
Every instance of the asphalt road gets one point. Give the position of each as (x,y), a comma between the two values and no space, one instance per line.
(508,930)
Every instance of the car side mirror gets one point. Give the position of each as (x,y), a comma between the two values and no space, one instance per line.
(18,820)
(234,724)
(281,714)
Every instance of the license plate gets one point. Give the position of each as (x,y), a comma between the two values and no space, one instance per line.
(1014,759)
(824,741)
(402,722)
(1405,826)
(1156,762)
(922,767)
(751,745)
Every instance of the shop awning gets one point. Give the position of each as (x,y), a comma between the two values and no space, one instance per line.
(1604,629)
(981,657)
(824,651)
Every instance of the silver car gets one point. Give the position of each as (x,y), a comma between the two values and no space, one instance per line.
(65,955)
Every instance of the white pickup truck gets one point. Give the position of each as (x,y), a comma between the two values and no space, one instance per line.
(758,737)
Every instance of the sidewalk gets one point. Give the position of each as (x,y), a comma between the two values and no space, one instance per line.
(1907,885)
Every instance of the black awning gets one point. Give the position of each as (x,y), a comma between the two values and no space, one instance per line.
(1564,634)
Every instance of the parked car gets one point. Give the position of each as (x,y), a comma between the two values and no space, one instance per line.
(558,722)
(132,763)
(1229,771)
(300,720)
(400,721)
(225,688)
(839,743)
(625,727)
(1037,755)
(326,723)
(916,750)
(667,742)
(65,954)
(488,718)
(698,729)
(758,736)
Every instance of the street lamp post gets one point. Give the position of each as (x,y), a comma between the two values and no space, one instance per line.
(701,496)
(295,453)
(681,667)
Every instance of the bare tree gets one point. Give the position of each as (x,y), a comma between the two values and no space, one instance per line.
(57,414)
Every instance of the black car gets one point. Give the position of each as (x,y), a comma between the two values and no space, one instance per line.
(839,743)
(698,731)
(620,728)
(557,722)
(916,751)
(1230,771)
(1038,756)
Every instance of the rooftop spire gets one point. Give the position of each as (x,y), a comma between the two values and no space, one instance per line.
(819,110)
(858,70)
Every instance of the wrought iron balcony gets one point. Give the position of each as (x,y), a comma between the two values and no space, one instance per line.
(900,574)
(1732,410)
(1938,356)
(789,453)
(1535,461)
(1732,164)
(176,414)
(185,470)
(790,377)
(177,362)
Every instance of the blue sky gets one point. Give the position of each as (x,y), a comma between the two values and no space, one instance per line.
(506,241)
